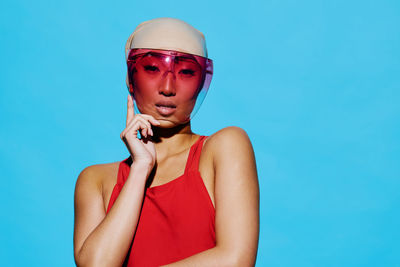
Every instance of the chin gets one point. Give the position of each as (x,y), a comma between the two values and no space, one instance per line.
(166,123)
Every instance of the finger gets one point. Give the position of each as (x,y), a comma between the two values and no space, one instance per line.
(130,114)
(144,132)
(133,104)
(132,131)
(151,119)
(140,119)
(149,130)
(148,120)
(134,127)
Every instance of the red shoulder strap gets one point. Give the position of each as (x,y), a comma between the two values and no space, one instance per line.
(194,156)
(123,170)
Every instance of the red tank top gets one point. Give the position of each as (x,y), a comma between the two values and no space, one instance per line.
(177,218)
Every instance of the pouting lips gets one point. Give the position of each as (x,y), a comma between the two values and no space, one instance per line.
(168,104)
(165,108)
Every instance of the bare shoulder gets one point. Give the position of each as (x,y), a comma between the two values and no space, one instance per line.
(89,201)
(230,139)
(236,193)
(97,175)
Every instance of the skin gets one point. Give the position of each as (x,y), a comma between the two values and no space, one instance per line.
(227,166)
(179,86)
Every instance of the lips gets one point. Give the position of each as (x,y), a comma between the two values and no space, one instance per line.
(166,103)
(165,107)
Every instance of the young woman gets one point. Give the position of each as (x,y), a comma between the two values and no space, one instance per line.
(179,199)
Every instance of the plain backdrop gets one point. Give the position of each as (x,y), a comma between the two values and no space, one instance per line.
(315,84)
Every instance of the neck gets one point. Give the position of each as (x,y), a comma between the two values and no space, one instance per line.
(169,141)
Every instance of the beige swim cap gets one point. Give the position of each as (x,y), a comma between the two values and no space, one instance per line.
(169,34)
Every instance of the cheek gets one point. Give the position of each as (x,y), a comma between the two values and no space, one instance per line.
(144,85)
(188,89)
(146,90)
(186,96)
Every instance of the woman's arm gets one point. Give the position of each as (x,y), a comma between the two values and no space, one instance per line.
(236,202)
(100,239)
(104,240)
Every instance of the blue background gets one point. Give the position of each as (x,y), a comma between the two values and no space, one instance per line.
(314,83)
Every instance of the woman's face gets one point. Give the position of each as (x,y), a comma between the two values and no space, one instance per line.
(166,85)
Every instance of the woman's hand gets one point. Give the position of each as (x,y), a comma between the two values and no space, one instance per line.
(142,150)
(96,240)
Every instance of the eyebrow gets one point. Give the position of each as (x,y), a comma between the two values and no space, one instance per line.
(187,58)
(154,54)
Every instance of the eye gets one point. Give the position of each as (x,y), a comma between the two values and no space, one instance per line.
(187,72)
(151,68)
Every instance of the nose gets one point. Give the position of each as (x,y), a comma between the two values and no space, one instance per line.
(167,85)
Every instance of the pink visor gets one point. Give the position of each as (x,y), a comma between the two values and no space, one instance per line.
(167,84)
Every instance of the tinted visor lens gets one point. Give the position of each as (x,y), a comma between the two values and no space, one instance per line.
(188,76)
(156,66)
